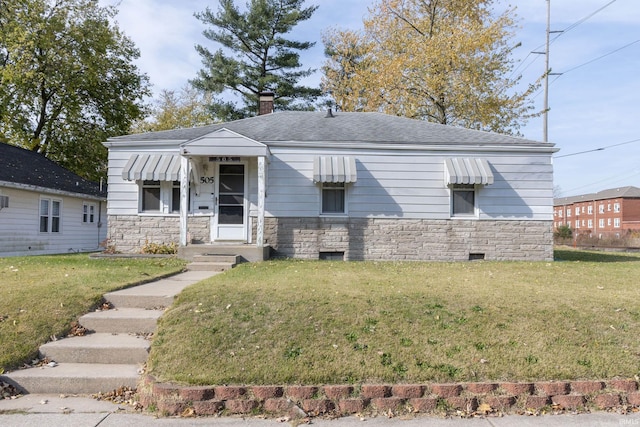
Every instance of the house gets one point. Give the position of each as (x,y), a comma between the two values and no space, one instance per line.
(611,213)
(46,209)
(353,186)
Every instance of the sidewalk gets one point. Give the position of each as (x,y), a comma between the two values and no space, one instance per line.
(53,411)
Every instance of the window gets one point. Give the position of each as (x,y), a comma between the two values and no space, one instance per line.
(609,221)
(609,207)
(601,223)
(616,222)
(616,207)
(590,210)
(88,213)
(569,212)
(175,197)
(160,197)
(590,223)
(463,200)
(333,197)
(601,209)
(577,223)
(50,213)
(577,210)
(583,209)
(150,196)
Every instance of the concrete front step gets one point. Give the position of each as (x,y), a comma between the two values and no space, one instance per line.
(74,378)
(98,348)
(122,320)
(157,294)
(210,266)
(222,258)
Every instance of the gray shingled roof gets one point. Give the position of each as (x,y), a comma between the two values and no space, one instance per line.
(629,192)
(20,166)
(305,126)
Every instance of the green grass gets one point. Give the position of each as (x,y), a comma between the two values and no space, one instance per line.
(314,322)
(41,296)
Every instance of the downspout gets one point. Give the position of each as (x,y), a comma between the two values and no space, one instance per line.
(99,221)
(184,199)
(261,196)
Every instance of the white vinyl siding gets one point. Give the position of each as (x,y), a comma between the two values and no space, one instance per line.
(390,184)
(411,185)
(20,225)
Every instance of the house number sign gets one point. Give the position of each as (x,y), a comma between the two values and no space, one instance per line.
(206,180)
(224,159)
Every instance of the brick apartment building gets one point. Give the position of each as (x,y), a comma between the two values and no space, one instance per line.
(607,214)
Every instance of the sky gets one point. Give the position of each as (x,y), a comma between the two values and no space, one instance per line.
(594,101)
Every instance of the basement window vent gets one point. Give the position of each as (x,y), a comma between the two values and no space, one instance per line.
(476,257)
(331,256)
(4,202)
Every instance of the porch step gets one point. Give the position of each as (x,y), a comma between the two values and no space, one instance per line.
(222,258)
(75,378)
(98,348)
(213,262)
(122,320)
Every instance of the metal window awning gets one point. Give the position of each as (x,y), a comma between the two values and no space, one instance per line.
(468,171)
(150,167)
(334,169)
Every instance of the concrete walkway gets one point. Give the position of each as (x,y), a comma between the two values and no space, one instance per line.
(53,411)
(113,355)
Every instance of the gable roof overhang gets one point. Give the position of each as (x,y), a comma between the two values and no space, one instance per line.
(53,191)
(224,142)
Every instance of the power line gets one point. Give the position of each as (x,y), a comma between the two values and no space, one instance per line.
(559,34)
(558,75)
(598,149)
(572,26)
(600,57)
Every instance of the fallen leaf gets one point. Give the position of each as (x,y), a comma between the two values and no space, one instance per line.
(484,408)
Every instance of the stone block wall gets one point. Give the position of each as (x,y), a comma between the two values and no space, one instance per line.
(129,233)
(410,239)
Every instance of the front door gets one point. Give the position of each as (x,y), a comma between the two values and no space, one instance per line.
(231,217)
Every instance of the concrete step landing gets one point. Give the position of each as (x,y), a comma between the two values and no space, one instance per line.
(122,320)
(75,378)
(98,348)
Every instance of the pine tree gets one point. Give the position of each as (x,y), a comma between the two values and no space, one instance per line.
(255,57)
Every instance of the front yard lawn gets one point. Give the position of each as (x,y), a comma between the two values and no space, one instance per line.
(41,296)
(322,322)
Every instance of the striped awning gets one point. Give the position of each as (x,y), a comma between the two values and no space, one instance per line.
(334,169)
(469,171)
(150,167)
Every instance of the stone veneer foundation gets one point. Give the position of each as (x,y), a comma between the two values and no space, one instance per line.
(129,233)
(357,239)
(410,239)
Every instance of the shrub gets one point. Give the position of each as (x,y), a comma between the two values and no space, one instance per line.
(160,248)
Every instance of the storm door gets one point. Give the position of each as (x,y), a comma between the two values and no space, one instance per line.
(231,215)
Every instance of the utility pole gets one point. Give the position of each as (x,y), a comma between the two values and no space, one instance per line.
(547,73)
(547,70)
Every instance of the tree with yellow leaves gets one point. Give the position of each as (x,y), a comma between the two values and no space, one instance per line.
(445,61)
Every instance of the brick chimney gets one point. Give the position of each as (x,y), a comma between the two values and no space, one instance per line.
(266,103)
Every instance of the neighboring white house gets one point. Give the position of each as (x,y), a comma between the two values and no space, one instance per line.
(46,209)
(353,186)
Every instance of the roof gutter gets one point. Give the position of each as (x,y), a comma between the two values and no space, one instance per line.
(39,189)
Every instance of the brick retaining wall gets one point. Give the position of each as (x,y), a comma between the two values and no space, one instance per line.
(340,400)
